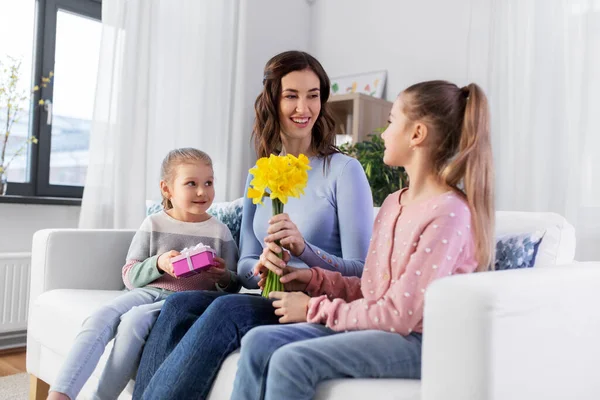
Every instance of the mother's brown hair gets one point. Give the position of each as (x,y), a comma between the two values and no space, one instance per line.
(266,130)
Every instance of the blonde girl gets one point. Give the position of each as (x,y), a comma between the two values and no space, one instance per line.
(187,189)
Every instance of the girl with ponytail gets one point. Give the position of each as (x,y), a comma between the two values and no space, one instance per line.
(441,225)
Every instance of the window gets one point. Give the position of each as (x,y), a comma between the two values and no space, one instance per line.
(18,25)
(62,37)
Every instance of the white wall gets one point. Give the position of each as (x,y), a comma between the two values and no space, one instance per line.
(413,40)
(18,223)
(267,27)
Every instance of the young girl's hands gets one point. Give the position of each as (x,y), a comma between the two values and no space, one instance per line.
(219,273)
(292,307)
(283,229)
(164,262)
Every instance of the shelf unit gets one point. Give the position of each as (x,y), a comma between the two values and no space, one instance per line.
(359,114)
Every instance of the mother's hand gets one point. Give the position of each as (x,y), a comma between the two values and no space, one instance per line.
(293,279)
(269,260)
(283,229)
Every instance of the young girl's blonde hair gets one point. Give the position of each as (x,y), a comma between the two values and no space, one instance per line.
(186,155)
(458,119)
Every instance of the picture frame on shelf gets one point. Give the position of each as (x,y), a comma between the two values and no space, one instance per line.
(369,83)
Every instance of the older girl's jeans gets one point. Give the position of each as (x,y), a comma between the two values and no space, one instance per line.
(288,361)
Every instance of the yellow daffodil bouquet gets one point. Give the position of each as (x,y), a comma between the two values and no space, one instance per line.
(278,177)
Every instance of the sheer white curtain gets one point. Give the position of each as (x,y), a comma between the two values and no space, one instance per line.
(166,80)
(539,61)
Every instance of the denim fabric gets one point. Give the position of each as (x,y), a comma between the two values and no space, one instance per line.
(193,335)
(128,319)
(288,361)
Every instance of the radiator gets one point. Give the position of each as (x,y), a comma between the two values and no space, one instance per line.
(14,292)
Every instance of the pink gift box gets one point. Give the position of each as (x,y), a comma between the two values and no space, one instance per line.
(194,260)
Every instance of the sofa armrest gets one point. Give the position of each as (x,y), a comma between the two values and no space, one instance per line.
(78,259)
(520,334)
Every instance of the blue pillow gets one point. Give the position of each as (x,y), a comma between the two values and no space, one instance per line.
(228,212)
(153,207)
(517,251)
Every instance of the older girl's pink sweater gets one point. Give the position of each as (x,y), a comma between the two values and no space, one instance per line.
(411,246)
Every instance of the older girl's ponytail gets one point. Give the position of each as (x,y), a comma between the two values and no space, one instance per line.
(473,165)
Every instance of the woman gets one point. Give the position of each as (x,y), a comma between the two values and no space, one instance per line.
(329,227)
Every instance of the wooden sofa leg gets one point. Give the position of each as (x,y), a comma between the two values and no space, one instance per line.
(38,389)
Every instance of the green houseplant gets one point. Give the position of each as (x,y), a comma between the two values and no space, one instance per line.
(383,179)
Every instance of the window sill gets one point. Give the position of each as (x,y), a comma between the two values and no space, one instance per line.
(59,201)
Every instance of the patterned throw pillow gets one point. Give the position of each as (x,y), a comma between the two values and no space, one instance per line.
(517,251)
(228,212)
(153,207)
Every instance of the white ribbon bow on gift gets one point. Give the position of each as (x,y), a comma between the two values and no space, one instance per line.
(186,252)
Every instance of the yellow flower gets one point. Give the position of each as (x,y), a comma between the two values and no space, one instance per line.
(280,177)
(255,195)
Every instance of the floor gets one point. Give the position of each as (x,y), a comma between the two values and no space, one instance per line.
(12,361)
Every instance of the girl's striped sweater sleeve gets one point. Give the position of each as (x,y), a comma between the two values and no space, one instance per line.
(140,266)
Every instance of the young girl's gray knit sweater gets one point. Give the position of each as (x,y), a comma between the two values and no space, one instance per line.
(161,233)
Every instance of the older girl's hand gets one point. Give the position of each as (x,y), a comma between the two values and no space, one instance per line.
(283,229)
(292,307)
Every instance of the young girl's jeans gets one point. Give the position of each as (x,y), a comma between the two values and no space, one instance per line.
(288,361)
(128,319)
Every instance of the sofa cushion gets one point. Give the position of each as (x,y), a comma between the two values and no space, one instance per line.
(517,251)
(55,319)
(56,316)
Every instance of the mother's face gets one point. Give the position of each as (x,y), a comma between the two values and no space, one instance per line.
(299,104)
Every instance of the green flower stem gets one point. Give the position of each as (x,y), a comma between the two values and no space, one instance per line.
(273,284)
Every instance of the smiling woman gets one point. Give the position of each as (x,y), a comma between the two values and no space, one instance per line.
(292,113)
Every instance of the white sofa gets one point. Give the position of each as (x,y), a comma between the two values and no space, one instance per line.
(522,334)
